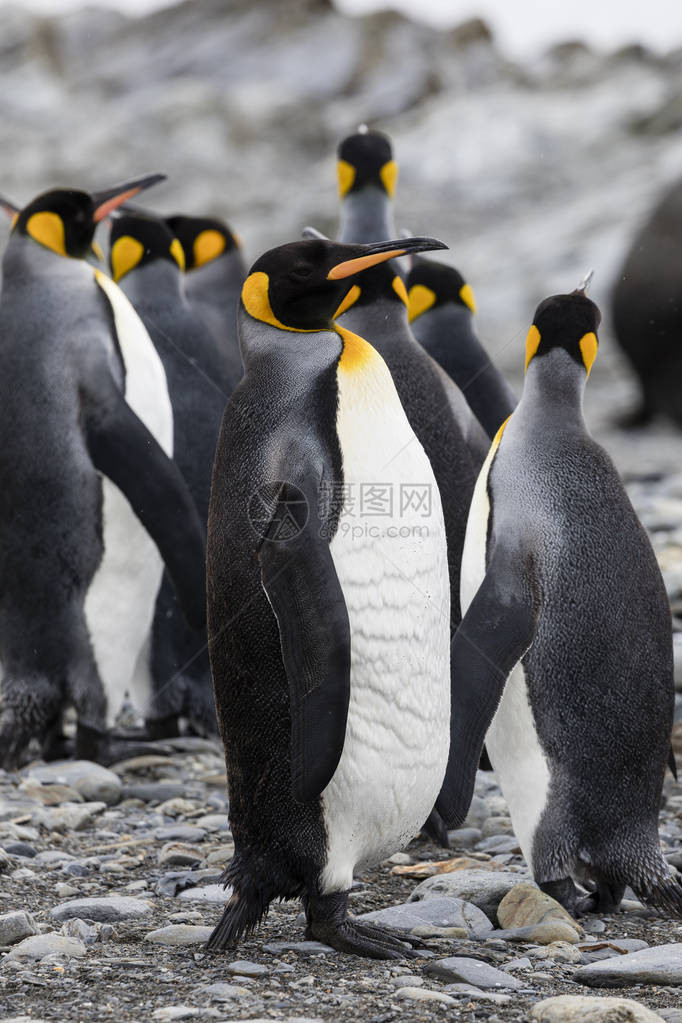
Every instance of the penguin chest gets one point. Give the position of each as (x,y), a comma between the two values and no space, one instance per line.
(512,742)
(120,601)
(390,555)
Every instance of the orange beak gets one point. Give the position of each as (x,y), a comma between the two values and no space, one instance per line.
(108,200)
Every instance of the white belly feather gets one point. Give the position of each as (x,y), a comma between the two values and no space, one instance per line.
(394,576)
(120,602)
(516,755)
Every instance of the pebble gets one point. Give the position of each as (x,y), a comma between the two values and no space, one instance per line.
(171,1012)
(304,948)
(420,994)
(406,981)
(153,791)
(89,934)
(177,854)
(51,795)
(494,826)
(180,833)
(110,909)
(216,894)
(558,951)
(586,1009)
(243,968)
(16,926)
(179,934)
(594,926)
(220,992)
(40,945)
(499,844)
(471,971)
(17,849)
(70,817)
(436,912)
(94,782)
(659,965)
(525,906)
(475,993)
(483,888)
(213,822)
(464,838)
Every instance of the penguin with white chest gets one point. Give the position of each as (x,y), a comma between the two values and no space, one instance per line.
(328,628)
(69,441)
(565,610)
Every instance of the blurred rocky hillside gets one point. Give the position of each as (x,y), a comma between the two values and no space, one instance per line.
(531,172)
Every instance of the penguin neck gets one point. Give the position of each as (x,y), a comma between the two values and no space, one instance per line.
(226,272)
(25,259)
(447,329)
(153,283)
(383,322)
(554,382)
(289,353)
(366,216)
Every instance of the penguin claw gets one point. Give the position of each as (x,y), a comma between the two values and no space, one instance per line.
(365,940)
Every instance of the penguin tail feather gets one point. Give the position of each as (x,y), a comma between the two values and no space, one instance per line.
(246,907)
(663,894)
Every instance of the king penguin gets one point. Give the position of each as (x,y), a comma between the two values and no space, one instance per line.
(328,624)
(147,262)
(215,271)
(440,310)
(647,310)
(566,618)
(367,177)
(74,373)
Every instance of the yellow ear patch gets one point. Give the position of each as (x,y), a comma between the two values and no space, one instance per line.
(208,245)
(48,229)
(420,299)
(256,301)
(389,177)
(346,175)
(178,253)
(588,349)
(96,249)
(400,289)
(126,253)
(532,344)
(467,296)
(350,299)
(498,436)
(357,353)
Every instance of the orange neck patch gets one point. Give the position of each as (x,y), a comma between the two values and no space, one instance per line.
(357,353)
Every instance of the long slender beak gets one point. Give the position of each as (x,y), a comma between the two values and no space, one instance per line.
(110,198)
(379,252)
(10,208)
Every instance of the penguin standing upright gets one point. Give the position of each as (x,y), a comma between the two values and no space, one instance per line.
(147,262)
(63,421)
(367,176)
(215,272)
(647,310)
(328,624)
(564,602)
(440,310)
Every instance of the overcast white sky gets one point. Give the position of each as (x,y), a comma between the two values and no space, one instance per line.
(522,26)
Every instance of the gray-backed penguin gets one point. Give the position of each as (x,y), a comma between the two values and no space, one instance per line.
(647,310)
(367,176)
(328,603)
(565,610)
(440,310)
(215,271)
(70,440)
(147,262)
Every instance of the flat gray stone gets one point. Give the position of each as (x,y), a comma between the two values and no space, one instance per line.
(179,854)
(214,894)
(670,1015)
(483,888)
(180,934)
(661,964)
(421,994)
(94,782)
(172,1012)
(464,838)
(471,971)
(304,948)
(69,817)
(40,945)
(244,968)
(110,909)
(224,992)
(437,912)
(180,833)
(16,926)
(587,1009)
(472,993)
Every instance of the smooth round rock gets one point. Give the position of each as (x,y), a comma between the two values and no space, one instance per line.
(436,912)
(40,945)
(16,926)
(109,909)
(525,906)
(661,964)
(483,888)
(94,782)
(586,1009)
(179,934)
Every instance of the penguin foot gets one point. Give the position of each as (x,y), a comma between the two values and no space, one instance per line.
(435,827)
(328,922)
(110,747)
(565,893)
(606,899)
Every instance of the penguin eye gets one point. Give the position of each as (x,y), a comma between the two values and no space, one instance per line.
(302,270)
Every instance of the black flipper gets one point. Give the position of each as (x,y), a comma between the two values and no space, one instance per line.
(302,586)
(492,638)
(123,449)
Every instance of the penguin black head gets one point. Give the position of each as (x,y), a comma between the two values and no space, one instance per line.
(203,239)
(137,238)
(431,284)
(302,286)
(565,321)
(366,159)
(64,219)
